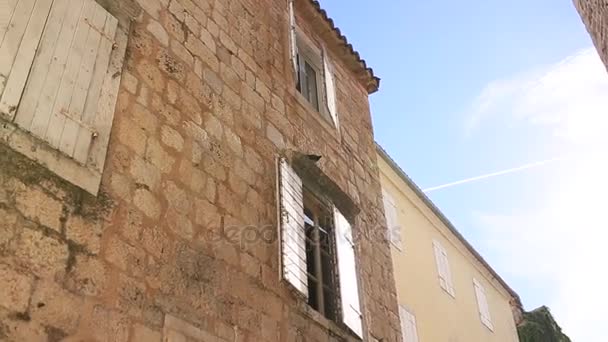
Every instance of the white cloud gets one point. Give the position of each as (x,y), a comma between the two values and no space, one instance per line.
(570,97)
(562,245)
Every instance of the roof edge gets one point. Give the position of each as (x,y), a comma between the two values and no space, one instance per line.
(372,84)
(391,162)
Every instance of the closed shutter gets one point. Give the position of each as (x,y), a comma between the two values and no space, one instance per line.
(293,43)
(482,305)
(392,219)
(408,325)
(443,268)
(293,243)
(60,72)
(347,271)
(61,100)
(330,88)
(21,26)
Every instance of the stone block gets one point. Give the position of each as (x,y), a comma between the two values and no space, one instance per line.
(35,204)
(16,289)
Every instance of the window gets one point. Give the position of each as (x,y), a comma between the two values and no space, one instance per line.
(482,305)
(307,83)
(317,250)
(408,325)
(392,219)
(60,66)
(320,256)
(443,268)
(314,76)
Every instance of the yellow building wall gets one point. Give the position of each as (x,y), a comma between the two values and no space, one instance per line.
(439,316)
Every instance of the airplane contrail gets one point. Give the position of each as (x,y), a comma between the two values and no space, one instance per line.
(493,174)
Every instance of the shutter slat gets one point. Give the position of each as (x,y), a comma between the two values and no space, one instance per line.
(78,100)
(45,100)
(293,240)
(106,104)
(5,17)
(18,50)
(347,270)
(67,81)
(41,67)
(13,36)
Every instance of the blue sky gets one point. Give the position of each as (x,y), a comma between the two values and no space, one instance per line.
(473,87)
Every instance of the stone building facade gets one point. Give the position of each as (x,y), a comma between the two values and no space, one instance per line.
(179,242)
(595,16)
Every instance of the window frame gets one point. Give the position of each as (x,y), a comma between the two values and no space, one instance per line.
(319,207)
(307,52)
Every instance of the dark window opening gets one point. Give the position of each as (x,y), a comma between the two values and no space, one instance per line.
(307,81)
(320,257)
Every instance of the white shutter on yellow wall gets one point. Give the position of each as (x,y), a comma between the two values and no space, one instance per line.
(347,270)
(482,304)
(330,88)
(293,43)
(408,325)
(60,68)
(443,268)
(392,219)
(293,238)
(21,26)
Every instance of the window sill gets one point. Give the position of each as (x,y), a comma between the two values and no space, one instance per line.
(319,117)
(51,159)
(329,325)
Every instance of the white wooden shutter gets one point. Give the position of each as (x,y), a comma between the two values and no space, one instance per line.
(21,26)
(443,268)
(482,304)
(293,238)
(60,71)
(408,325)
(330,88)
(293,42)
(392,219)
(61,100)
(347,272)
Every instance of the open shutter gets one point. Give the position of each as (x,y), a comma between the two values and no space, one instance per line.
(21,26)
(330,88)
(293,243)
(447,273)
(392,220)
(293,45)
(482,305)
(347,271)
(61,100)
(443,268)
(408,325)
(437,248)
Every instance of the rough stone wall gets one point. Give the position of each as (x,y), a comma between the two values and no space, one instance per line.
(595,16)
(168,248)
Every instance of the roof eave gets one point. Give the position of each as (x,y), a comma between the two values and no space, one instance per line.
(445,220)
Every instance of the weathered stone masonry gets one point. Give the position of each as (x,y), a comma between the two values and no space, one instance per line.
(595,16)
(205,106)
